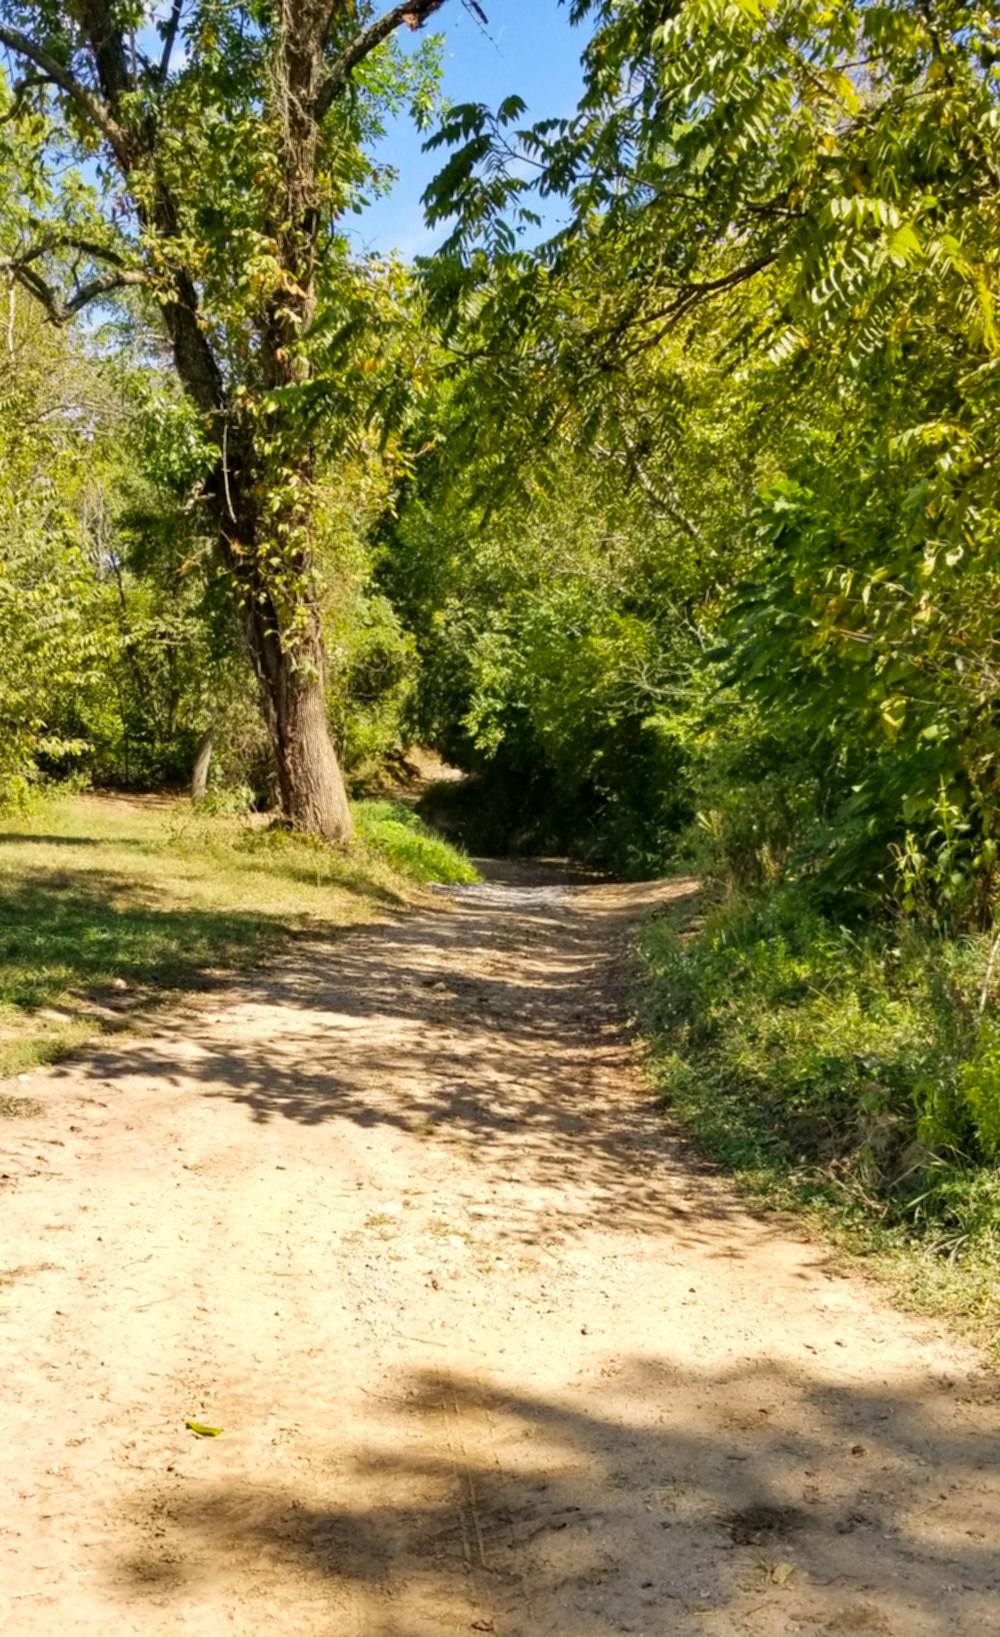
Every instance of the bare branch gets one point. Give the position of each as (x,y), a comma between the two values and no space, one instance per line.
(414,13)
(59,240)
(86,100)
(169,38)
(667,317)
(654,489)
(60,311)
(128,278)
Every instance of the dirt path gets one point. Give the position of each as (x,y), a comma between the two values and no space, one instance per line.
(490,1353)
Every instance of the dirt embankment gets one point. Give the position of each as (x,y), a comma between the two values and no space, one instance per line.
(490,1352)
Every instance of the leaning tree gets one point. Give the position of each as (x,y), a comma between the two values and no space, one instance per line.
(205,153)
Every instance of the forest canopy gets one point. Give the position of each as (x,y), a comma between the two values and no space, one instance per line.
(680,513)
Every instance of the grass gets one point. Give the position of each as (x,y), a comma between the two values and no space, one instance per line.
(393,831)
(842,1074)
(108,906)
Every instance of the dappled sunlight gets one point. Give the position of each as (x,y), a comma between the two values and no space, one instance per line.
(491,1027)
(107,905)
(489,1347)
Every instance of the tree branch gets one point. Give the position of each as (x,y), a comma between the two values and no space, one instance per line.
(686,297)
(58,240)
(106,40)
(128,278)
(414,13)
(86,100)
(60,312)
(169,39)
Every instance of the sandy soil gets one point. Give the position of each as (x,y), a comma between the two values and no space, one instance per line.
(490,1351)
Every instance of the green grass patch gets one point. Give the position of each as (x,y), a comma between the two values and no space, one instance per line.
(397,834)
(841,1073)
(107,905)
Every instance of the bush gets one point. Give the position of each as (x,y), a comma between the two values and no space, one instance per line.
(397,834)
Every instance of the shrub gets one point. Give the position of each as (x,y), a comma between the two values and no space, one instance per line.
(397,834)
(849,1063)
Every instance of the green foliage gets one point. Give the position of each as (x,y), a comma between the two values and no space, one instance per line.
(373,674)
(394,832)
(560,619)
(116,646)
(979,1088)
(846,1066)
(119,648)
(676,531)
(548,692)
(52,635)
(198,166)
(743,197)
(189,188)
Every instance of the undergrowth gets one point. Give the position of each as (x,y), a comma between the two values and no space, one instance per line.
(848,1073)
(393,831)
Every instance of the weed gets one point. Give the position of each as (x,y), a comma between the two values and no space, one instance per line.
(393,831)
(839,1072)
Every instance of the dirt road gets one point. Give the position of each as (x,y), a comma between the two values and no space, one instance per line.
(490,1352)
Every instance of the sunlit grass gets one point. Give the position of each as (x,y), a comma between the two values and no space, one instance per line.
(107,905)
(822,1068)
(394,831)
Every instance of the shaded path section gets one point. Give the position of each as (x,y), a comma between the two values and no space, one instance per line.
(491,1351)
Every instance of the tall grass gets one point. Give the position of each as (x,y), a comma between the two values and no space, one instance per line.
(847,1072)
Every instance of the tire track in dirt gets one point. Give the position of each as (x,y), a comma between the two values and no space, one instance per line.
(490,1350)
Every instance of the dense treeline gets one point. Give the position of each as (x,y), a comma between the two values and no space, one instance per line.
(674,529)
(119,653)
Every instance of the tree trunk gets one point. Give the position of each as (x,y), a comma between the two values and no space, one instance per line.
(202,763)
(310,783)
(123,100)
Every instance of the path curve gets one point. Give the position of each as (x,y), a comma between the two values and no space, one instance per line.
(490,1352)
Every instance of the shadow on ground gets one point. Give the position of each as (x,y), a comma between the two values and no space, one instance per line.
(707,1462)
(495,1026)
(74,929)
(821,1507)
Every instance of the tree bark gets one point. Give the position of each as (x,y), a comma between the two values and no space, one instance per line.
(293,692)
(120,97)
(202,763)
(289,660)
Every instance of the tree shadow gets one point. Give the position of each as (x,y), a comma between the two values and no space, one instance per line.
(74,930)
(36,838)
(657,1493)
(494,1027)
(718,1495)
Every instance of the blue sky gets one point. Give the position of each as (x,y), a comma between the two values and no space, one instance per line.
(528,48)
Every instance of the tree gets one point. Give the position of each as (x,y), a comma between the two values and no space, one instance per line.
(217,147)
(811,185)
(54,631)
